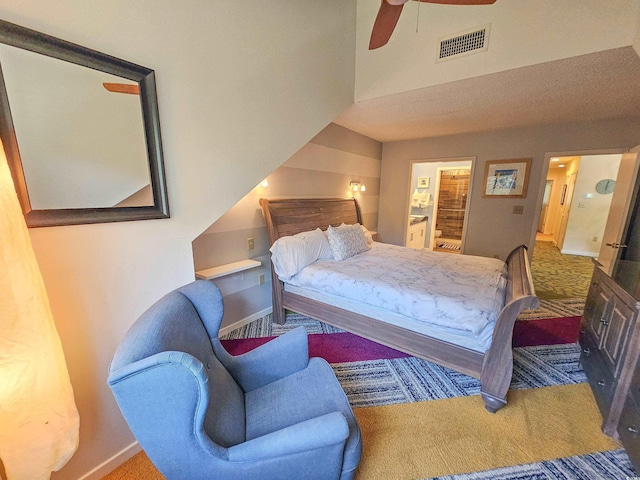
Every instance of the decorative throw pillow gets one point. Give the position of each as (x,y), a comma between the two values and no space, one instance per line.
(367,233)
(347,241)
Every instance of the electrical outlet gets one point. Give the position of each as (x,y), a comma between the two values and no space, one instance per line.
(261,279)
(595,238)
(250,243)
(518,209)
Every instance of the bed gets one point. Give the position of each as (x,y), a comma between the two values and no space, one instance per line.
(484,352)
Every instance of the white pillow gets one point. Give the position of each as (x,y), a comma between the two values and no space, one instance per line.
(367,235)
(347,241)
(291,254)
(317,240)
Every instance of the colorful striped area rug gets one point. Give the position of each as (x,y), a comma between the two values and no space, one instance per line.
(454,436)
(423,421)
(384,386)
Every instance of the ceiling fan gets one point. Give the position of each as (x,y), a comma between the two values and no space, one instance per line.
(131,89)
(389,13)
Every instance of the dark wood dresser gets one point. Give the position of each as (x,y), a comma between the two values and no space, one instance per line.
(610,342)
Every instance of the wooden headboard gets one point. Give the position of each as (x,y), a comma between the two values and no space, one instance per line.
(291,216)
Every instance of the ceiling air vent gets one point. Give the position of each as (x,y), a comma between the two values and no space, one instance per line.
(464,43)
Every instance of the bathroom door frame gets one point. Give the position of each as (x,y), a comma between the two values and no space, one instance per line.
(471,162)
(436,196)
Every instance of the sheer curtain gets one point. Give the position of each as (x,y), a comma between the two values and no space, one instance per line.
(38,416)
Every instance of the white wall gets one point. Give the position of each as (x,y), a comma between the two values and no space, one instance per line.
(241,86)
(568,28)
(492,228)
(589,209)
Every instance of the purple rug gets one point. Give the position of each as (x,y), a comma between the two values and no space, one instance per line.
(546,331)
(347,347)
(334,347)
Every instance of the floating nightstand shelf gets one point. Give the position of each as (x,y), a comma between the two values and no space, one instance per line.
(228,269)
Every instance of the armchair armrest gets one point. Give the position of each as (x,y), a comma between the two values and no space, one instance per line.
(319,432)
(282,356)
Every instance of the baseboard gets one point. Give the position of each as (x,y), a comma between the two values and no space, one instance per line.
(244,321)
(575,252)
(112,463)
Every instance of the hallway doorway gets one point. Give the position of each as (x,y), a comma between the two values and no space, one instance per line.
(572,232)
(575,212)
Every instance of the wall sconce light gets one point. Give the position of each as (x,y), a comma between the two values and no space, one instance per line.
(357,186)
(38,416)
(264,183)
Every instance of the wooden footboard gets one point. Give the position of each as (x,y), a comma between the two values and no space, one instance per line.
(520,295)
(494,368)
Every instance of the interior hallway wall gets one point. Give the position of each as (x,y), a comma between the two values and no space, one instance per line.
(324,167)
(589,209)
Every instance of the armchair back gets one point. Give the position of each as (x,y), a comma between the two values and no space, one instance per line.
(170,359)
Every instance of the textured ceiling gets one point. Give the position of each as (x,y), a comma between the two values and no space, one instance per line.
(589,87)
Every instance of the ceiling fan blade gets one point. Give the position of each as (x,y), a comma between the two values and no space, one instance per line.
(384,25)
(122,88)
(460,2)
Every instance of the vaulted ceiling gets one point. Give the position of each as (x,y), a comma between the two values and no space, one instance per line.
(592,86)
(588,87)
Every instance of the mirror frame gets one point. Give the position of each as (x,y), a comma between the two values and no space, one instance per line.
(27,39)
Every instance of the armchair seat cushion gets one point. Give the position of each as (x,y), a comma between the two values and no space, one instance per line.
(302,396)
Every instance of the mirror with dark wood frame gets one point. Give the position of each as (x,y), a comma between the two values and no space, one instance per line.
(80,130)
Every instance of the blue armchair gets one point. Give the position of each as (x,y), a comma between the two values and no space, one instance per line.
(200,413)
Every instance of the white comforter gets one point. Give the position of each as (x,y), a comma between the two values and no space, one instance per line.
(462,292)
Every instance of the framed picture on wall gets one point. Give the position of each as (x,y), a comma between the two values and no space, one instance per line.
(423,182)
(506,178)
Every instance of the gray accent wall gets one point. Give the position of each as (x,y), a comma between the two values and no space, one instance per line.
(324,167)
(493,229)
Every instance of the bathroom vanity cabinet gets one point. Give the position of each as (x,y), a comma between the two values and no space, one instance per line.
(416,235)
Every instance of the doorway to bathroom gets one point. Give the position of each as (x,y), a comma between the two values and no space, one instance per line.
(449,215)
(440,190)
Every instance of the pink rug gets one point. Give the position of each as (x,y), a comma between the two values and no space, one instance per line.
(546,331)
(334,347)
(347,347)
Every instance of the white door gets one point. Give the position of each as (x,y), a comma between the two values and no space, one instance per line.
(566,207)
(545,206)
(620,204)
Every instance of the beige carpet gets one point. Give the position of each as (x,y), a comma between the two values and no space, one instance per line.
(456,435)
(451,436)
(138,467)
